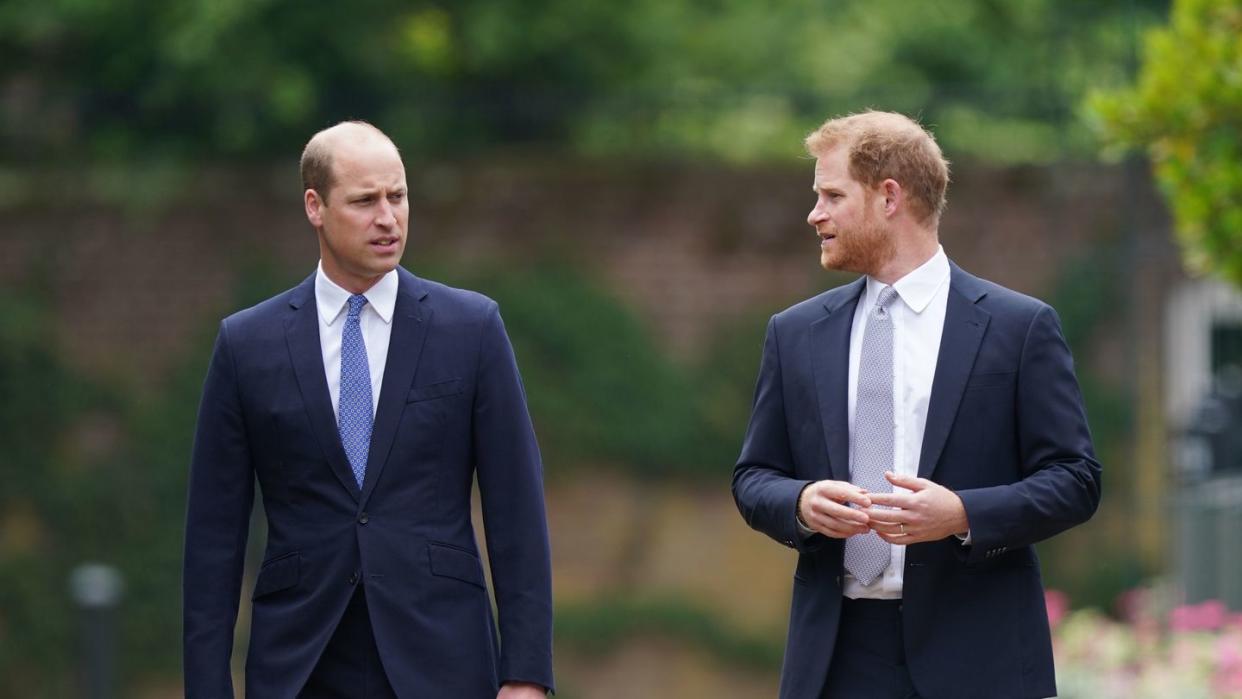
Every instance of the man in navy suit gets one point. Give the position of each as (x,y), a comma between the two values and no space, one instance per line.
(913,434)
(366,401)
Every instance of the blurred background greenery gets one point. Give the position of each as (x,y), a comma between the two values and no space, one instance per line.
(627,180)
(732,79)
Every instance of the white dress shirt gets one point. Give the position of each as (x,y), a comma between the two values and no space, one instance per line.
(918,323)
(375,321)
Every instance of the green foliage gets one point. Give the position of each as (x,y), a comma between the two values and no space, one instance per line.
(1088,295)
(600,390)
(730,79)
(1186,112)
(93,472)
(51,513)
(726,377)
(743,81)
(601,627)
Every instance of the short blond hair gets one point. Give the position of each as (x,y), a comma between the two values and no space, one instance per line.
(887,145)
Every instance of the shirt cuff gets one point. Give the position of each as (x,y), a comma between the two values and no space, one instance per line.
(964,539)
(803,530)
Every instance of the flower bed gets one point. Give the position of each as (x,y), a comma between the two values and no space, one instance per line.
(1153,650)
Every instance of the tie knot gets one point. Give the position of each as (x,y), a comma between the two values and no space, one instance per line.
(356,302)
(885,299)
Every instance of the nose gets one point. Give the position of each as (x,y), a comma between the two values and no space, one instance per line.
(387,217)
(816,216)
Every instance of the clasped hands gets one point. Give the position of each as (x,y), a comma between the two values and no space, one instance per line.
(928,512)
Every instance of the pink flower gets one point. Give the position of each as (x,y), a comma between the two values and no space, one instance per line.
(1227,677)
(1227,682)
(1205,616)
(1058,604)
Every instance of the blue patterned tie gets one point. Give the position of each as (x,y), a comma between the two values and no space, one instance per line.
(867,555)
(354,411)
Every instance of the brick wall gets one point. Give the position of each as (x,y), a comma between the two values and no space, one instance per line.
(688,246)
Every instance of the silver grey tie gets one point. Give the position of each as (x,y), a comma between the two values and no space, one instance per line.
(867,555)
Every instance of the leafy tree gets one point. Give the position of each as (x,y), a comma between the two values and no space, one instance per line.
(732,79)
(1186,111)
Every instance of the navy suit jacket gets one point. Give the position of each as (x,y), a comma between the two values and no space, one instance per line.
(451,407)
(1005,430)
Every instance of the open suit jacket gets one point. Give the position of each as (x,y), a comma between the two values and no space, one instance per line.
(451,406)
(1005,430)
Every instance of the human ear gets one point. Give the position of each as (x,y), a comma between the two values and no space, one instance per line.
(314,207)
(893,196)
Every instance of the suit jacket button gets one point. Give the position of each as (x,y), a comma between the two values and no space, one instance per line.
(353,579)
(363,519)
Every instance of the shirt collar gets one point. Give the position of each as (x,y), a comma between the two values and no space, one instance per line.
(332,299)
(918,287)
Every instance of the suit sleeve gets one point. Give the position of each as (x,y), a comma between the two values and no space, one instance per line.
(1060,484)
(511,487)
(220,495)
(764,485)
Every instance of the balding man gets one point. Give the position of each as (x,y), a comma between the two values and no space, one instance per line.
(914,433)
(366,401)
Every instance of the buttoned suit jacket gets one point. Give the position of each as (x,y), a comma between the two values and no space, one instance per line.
(451,407)
(1006,431)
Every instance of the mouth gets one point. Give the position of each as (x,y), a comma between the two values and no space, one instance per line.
(385,243)
(824,238)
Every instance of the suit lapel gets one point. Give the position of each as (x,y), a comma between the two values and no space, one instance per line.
(410,321)
(830,363)
(964,326)
(306,354)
